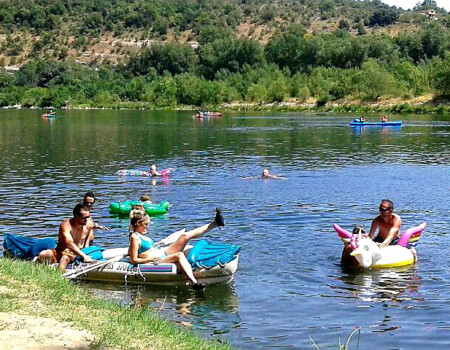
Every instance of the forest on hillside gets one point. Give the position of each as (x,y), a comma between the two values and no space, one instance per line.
(212,52)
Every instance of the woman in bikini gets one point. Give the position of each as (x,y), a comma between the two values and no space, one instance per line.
(142,248)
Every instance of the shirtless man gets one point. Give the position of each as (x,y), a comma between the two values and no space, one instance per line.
(72,237)
(387,223)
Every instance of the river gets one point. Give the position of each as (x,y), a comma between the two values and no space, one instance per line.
(289,287)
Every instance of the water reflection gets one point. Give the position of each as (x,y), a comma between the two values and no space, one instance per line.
(393,285)
(357,129)
(214,311)
(334,174)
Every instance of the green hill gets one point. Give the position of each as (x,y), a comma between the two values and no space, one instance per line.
(175,52)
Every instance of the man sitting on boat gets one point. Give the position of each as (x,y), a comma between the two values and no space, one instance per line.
(74,234)
(384,119)
(387,223)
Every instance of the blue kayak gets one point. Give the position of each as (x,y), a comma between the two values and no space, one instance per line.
(393,123)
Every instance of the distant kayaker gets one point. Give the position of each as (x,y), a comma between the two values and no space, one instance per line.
(387,223)
(384,119)
(73,235)
(142,248)
(362,119)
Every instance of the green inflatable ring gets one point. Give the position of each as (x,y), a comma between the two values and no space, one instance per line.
(124,208)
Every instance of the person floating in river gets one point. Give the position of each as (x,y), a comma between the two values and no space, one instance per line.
(153,172)
(142,248)
(145,198)
(266,175)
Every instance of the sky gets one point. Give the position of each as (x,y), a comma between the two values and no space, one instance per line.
(409,4)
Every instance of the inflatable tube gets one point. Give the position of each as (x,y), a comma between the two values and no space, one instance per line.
(212,263)
(166,172)
(124,208)
(136,172)
(369,254)
(393,123)
(133,172)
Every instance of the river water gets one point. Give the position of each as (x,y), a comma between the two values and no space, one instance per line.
(289,287)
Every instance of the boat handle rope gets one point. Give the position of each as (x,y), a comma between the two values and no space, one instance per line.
(134,273)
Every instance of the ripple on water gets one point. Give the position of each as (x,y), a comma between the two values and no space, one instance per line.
(289,286)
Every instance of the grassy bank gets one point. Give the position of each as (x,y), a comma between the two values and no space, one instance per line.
(37,291)
(400,108)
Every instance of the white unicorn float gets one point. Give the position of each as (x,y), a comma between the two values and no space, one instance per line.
(369,255)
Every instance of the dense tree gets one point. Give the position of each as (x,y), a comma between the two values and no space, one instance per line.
(289,57)
(384,16)
(174,58)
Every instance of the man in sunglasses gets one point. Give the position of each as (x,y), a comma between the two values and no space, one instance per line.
(73,235)
(387,223)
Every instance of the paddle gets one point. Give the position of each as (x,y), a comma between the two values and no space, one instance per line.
(162,243)
(75,273)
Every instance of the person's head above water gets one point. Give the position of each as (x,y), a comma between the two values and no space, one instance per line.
(139,219)
(144,198)
(153,167)
(265,173)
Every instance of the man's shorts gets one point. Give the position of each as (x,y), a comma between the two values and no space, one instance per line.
(378,239)
(57,255)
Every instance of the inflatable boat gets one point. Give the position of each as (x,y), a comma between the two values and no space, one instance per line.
(124,208)
(356,122)
(212,263)
(369,255)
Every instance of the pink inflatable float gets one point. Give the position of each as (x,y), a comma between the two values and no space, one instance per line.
(370,255)
(134,172)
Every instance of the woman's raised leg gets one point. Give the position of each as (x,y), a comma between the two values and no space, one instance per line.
(181,242)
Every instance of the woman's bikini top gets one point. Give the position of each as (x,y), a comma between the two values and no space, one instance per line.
(146,243)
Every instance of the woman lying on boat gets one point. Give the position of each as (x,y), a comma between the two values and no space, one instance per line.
(142,248)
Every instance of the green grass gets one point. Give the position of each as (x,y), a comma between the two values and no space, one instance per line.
(347,343)
(36,290)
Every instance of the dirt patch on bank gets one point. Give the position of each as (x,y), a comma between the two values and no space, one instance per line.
(37,333)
